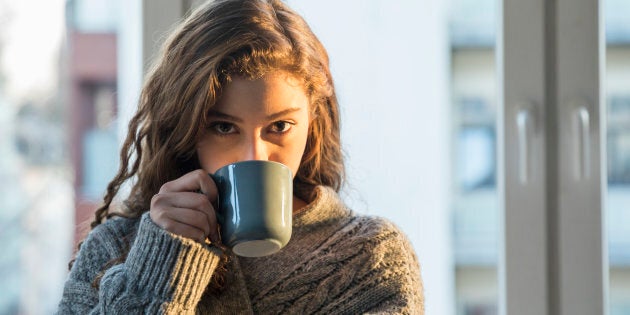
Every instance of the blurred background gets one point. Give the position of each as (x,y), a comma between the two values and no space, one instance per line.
(70,72)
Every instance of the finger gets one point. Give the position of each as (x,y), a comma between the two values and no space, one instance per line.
(197,180)
(190,217)
(202,204)
(190,200)
(197,219)
(183,229)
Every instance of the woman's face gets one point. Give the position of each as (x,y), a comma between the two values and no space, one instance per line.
(260,119)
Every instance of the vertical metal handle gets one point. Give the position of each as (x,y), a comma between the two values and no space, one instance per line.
(525,126)
(582,143)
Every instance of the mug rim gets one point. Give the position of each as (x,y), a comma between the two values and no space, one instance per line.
(252,162)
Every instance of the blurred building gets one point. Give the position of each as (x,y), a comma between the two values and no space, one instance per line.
(92,63)
(55,127)
(35,190)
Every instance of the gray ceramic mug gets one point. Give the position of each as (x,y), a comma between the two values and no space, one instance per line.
(255,206)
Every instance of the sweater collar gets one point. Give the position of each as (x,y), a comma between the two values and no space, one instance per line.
(325,206)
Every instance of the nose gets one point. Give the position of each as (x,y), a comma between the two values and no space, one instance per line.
(255,149)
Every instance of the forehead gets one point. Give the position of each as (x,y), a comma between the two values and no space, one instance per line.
(270,92)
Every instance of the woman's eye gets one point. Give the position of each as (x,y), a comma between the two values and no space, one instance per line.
(223,128)
(281,126)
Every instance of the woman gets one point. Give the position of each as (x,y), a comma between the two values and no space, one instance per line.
(238,80)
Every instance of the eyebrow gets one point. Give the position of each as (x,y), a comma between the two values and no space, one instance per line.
(221,115)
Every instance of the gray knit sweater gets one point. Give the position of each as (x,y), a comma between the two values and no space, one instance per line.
(336,263)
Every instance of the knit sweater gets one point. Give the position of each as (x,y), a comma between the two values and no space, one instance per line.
(337,262)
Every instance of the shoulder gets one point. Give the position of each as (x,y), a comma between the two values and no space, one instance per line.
(388,246)
(374,243)
(375,231)
(366,266)
(375,224)
(351,229)
(386,265)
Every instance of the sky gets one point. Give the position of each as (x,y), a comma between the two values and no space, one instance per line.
(31,35)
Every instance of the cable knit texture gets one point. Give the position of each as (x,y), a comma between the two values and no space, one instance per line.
(336,263)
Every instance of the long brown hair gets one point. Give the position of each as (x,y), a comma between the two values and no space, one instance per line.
(221,39)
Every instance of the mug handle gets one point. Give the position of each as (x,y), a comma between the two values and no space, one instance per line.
(218,181)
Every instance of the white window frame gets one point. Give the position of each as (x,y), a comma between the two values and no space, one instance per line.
(550,55)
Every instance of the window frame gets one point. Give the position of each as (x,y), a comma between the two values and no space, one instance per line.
(553,243)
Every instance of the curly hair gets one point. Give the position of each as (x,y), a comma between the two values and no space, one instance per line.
(219,40)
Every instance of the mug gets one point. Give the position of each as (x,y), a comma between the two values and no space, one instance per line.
(255,206)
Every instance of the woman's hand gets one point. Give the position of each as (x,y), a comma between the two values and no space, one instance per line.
(180,209)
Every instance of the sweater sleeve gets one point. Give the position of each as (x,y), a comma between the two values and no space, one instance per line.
(163,273)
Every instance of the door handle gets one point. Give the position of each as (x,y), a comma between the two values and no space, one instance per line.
(582,144)
(525,125)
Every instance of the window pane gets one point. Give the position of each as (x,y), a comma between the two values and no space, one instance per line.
(36,206)
(474,143)
(617,94)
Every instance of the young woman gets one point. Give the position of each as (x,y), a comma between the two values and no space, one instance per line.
(238,80)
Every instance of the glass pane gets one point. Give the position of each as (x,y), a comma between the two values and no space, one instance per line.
(474,143)
(58,145)
(36,206)
(91,60)
(617,95)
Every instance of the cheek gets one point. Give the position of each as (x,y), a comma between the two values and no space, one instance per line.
(298,151)
(210,160)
